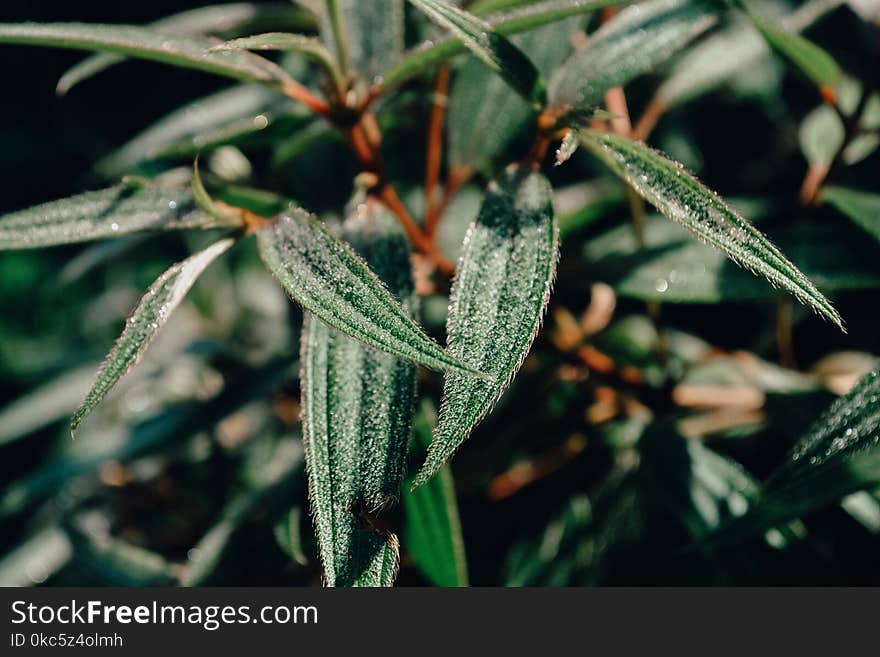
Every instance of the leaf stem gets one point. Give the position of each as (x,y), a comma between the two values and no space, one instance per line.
(434,150)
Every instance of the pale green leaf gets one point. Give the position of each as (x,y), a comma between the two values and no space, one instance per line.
(112,212)
(478,132)
(213,19)
(495,50)
(358,406)
(634,42)
(432,532)
(522,19)
(811,60)
(146,43)
(144,323)
(501,290)
(863,208)
(679,196)
(329,280)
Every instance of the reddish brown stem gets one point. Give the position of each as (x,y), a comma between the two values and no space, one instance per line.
(296,91)
(434,150)
(645,125)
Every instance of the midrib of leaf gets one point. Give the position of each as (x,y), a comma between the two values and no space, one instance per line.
(145,43)
(111,212)
(142,326)
(328,279)
(501,290)
(680,197)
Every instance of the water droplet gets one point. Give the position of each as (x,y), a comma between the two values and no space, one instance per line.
(661,285)
(114,226)
(261,121)
(172,205)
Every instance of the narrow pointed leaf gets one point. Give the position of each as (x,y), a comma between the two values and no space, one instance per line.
(839,456)
(144,323)
(358,407)
(634,42)
(496,51)
(329,280)
(146,43)
(112,212)
(521,19)
(804,55)
(432,533)
(863,208)
(498,300)
(373,33)
(679,196)
(214,19)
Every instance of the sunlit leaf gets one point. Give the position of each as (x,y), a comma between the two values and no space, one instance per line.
(634,42)
(501,290)
(432,533)
(358,407)
(146,43)
(328,279)
(213,19)
(112,212)
(682,198)
(144,323)
(863,208)
(492,48)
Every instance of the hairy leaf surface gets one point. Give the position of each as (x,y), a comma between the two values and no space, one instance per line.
(112,212)
(146,43)
(636,41)
(682,198)
(144,323)
(328,279)
(498,299)
(358,408)
(495,50)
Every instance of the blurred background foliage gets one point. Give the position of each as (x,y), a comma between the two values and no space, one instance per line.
(634,429)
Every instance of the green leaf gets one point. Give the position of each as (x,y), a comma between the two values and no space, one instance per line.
(144,323)
(119,210)
(496,51)
(682,198)
(675,269)
(839,456)
(146,43)
(634,42)
(518,20)
(863,208)
(358,406)
(433,530)
(370,34)
(478,132)
(501,290)
(329,280)
(811,60)
(310,47)
(214,19)
(716,60)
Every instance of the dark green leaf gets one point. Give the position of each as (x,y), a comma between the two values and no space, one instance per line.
(214,19)
(433,530)
(498,299)
(146,43)
(368,37)
(863,208)
(328,279)
(675,269)
(515,21)
(679,196)
(145,321)
(635,42)
(358,406)
(112,212)
(492,48)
